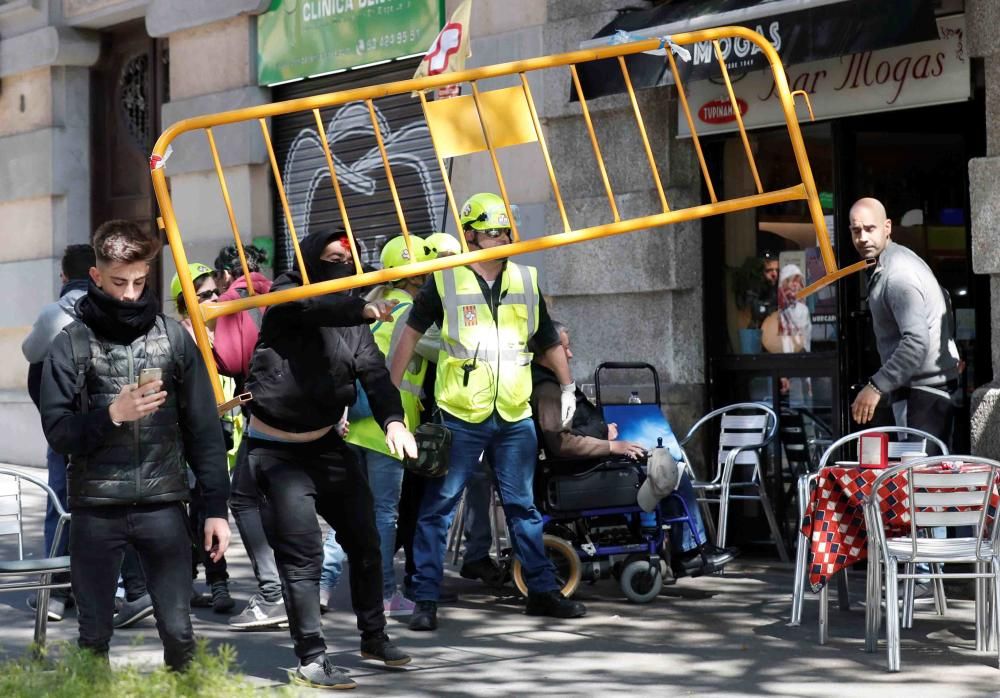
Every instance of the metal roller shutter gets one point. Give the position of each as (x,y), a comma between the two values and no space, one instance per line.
(359,165)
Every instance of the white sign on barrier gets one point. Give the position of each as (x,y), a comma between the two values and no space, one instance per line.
(903,77)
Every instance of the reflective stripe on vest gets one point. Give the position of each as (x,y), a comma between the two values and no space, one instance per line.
(484,363)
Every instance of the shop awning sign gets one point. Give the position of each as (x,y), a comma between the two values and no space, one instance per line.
(930,72)
(800,30)
(303,38)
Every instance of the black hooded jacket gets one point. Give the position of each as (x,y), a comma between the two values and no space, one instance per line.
(310,353)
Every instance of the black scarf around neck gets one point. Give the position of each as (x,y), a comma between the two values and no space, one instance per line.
(119,321)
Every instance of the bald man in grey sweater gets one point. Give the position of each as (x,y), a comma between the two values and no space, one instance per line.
(913,330)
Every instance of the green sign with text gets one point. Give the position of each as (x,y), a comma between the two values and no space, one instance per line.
(299,38)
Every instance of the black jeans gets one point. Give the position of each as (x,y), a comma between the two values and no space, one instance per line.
(297,482)
(159,533)
(929,410)
(243,501)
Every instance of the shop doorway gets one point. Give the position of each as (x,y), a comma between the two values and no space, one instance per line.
(916,162)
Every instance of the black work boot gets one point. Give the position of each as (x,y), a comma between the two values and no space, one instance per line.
(425,616)
(553,604)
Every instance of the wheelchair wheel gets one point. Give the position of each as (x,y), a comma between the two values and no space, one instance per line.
(567,563)
(641,583)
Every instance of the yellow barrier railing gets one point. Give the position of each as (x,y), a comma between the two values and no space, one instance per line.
(485,121)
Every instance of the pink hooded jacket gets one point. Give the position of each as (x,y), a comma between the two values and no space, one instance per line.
(236,335)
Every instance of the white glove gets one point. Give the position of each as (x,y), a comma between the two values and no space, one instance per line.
(400,441)
(568,404)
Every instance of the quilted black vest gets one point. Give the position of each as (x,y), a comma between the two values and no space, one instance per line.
(142,461)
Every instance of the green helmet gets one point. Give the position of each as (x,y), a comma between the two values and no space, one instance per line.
(442,244)
(484,212)
(394,253)
(197,270)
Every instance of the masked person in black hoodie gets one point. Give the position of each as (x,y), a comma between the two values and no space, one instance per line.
(128,445)
(302,377)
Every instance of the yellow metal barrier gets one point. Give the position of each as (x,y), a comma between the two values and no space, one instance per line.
(485,121)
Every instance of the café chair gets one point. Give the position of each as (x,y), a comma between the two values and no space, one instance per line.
(745,429)
(939,495)
(806,485)
(31,574)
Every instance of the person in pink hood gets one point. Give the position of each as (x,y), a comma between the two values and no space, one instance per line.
(236,335)
(235,338)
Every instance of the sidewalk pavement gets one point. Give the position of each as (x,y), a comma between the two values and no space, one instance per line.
(714,636)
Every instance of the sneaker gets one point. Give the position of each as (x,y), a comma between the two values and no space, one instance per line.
(485,569)
(397,605)
(553,604)
(260,614)
(321,673)
(424,616)
(325,600)
(381,648)
(222,602)
(133,611)
(57,607)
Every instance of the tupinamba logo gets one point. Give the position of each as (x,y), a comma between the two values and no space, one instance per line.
(720,111)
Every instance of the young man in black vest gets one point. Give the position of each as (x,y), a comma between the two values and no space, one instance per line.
(127,446)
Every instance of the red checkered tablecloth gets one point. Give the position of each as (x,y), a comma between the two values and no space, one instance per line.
(835,521)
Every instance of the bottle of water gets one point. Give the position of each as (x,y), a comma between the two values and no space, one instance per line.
(633,398)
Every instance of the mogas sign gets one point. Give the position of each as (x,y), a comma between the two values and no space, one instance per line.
(931,72)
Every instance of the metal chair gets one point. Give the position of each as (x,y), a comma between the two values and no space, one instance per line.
(807,483)
(11,524)
(938,497)
(741,437)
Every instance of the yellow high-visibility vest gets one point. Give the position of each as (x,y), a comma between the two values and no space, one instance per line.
(484,365)
(366,432)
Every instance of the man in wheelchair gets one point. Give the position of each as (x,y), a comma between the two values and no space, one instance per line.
(590,440)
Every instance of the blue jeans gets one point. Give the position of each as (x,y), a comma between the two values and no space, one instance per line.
(510,447)
(333,562)
(478,500)
(681,538)
(57,481)
(385,478)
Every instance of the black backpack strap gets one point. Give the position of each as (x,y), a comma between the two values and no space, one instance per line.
(175,337)
(79,339)
(255,313)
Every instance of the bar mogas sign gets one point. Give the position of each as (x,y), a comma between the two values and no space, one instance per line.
(930,72)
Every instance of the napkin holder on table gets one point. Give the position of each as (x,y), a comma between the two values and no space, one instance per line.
(873,450)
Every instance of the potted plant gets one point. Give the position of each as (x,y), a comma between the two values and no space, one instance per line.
(751,292)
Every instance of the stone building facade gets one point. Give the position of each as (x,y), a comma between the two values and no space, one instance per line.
(636,297)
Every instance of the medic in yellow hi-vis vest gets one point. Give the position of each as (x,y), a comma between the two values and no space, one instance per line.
(366,432)
(485,364)
(487,312)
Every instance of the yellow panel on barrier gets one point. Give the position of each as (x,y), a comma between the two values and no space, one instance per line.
(457,129)
(487,120)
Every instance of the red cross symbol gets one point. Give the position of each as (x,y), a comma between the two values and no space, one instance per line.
(445,45)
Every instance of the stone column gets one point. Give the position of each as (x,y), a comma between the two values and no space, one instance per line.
(44,192)
(213,68)
(984,183)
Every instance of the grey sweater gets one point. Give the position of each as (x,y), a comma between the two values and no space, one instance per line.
(913,326)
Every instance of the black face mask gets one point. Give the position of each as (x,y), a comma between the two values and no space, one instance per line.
(328,271)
